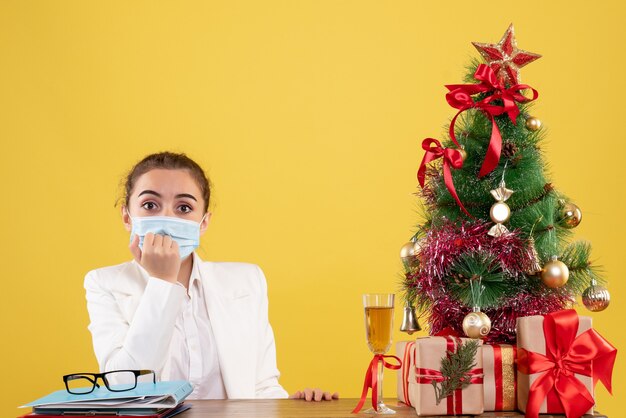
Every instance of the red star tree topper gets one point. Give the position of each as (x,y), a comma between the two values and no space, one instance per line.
(505,58)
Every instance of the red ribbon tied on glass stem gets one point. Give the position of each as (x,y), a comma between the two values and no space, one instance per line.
(460,97)
(451,158)
(371,379)
(588,354)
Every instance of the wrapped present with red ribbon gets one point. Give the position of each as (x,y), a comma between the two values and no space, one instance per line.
(560,359)
(406,351)
(426,380)
(500,381)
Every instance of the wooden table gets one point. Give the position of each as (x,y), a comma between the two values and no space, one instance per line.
(288,408)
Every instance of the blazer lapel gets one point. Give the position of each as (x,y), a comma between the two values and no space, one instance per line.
(127,288)
(230,326)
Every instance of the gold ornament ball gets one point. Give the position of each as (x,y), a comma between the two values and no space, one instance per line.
(571,215)
(463,154)
(409,252)
(554,274)
(533,123)
(596,298)
(500,212)
(476,325)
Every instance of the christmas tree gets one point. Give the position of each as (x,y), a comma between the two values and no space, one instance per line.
(496,240)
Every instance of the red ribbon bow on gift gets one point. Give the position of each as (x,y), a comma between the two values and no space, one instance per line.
(451,157)
(460,97)
(371,380)
(589,354)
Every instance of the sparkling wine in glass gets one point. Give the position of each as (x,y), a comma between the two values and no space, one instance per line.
(378,329)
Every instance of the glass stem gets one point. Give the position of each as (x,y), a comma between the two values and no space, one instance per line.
(381,367)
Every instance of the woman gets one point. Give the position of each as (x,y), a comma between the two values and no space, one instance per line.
(168,310)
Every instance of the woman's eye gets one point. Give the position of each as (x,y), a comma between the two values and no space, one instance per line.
(185,208)
(149,205)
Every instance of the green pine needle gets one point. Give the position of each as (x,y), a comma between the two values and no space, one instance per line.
(581,269)
(472,270)
(455,368)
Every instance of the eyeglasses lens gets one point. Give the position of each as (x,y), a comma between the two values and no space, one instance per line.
(79,384)
(120,380)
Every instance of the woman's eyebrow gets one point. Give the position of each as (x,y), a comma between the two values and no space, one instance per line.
(178,196)
(149,192)
(186,195)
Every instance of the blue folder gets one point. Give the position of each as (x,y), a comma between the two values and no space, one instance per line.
(144,396)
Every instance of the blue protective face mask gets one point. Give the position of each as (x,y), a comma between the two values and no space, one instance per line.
(185,233)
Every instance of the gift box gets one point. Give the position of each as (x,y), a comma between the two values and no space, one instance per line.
(559,358)
(405,350)
(427,356)
(500,381)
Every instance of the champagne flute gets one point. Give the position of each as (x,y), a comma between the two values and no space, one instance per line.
(378,329)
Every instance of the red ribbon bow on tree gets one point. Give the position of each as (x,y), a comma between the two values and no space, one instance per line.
(460,97)
(371,379)
(451,157)
(589,354)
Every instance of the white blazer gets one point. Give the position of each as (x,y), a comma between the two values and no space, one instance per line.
(124,303)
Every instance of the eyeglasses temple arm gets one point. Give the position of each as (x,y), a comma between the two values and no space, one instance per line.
(143,372)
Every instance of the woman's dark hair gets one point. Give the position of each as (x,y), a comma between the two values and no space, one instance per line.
(169,161)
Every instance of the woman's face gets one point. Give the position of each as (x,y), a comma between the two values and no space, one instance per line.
(163,192)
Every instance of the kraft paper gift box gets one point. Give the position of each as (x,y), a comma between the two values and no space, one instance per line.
(499,383)
(427,354)
(405,350)
(559,356)
(530,337)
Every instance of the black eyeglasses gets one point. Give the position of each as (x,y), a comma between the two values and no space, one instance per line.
(115,381)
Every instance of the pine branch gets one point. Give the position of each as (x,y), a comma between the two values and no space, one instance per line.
(455,368)
(470,69)
(408,289)
(471,268)
(581,269)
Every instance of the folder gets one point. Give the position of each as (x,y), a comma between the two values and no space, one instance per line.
(168,413)
(146,398)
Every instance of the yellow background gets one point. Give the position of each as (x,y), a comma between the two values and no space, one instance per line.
(308,116)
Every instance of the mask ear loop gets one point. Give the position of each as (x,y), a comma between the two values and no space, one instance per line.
(129,216)
(132,224)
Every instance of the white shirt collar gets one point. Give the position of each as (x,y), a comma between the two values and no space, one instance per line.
(195,272)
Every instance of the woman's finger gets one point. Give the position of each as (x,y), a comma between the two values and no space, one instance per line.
(336,395)
(158,241)
(308,394)
(134,248)
(327,396)
(167,242)
(148,239)
(317,394)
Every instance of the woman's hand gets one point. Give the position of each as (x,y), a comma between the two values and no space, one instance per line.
(314,395)
(159,256)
